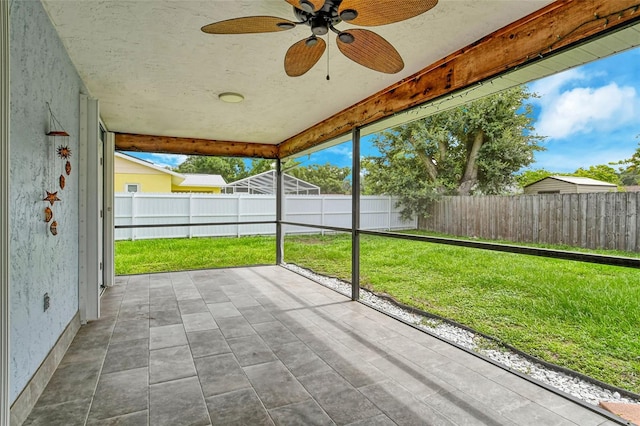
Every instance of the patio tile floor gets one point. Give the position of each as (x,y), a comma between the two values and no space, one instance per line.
(263,345)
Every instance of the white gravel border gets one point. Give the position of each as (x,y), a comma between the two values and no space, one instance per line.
(574,386)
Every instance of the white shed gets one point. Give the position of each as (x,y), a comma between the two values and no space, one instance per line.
(568,185)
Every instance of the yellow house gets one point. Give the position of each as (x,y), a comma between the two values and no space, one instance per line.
(135,175)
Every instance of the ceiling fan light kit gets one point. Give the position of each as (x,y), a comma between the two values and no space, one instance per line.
(231,97)
(361,46)
(307,6)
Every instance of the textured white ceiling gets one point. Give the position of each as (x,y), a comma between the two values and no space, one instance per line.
(156,73)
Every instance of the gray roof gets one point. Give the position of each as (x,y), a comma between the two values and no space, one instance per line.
(203,180)
(576,181)
(582,180)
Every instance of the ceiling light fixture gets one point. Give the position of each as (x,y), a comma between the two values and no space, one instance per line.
(231,97)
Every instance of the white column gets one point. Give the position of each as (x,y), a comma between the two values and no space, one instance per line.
(279,213)
(4,213)
(89,205)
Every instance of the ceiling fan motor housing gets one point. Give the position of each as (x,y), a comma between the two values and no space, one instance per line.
(323,19)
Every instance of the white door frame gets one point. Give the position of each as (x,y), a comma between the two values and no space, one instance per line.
(5,118)
(89,226)
(108,253)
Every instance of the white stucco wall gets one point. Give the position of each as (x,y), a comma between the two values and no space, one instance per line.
(41,72)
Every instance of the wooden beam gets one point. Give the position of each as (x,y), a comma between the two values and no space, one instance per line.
(189,146)
(554,28)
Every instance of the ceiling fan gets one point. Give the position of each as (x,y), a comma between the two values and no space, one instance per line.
(362,46)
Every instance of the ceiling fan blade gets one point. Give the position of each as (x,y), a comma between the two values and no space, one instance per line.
(307,5)
(371,50)
(381,12)
(301,57)
(249,25)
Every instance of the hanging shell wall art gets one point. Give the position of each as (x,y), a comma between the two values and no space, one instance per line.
(48,214)
(51,197)
(64,152)
(57,133)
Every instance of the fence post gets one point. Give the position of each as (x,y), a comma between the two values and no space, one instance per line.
(322,211)
(238,215)
(190,214)
(389,214)
(134,215)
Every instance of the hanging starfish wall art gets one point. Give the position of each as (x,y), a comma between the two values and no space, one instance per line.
(51,197)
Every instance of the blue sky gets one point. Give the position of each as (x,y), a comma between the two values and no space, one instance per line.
(590,115)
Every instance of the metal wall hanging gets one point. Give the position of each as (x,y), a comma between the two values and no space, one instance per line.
(59,137)
(48,214)
(64,152)
(51,197)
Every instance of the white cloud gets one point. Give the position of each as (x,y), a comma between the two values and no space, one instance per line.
(550,86)
(584,109)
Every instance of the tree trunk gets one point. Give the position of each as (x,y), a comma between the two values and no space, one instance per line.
(428,162)
(470,176)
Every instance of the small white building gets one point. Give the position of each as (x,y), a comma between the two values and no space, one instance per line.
(266,183)
(569,185)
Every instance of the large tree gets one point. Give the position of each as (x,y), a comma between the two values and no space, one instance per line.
(527,177)
(261,165)
(630,168)
(331,179)
(600,172)
(475,148)
(230,168)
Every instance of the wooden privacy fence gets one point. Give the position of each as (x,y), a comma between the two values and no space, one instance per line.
(597,221)
(376,213)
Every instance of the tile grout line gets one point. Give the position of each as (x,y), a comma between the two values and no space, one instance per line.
(352,330)
(241,367)
(314,352)
(204,399)
(95,389)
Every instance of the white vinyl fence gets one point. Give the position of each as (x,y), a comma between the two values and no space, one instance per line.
(376,213)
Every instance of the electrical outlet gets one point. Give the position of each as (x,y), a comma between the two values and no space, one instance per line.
(46,301)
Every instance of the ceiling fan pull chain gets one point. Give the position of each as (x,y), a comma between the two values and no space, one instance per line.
(328,46)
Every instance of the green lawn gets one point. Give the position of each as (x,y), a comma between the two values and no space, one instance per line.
(176,254)
(578,315)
